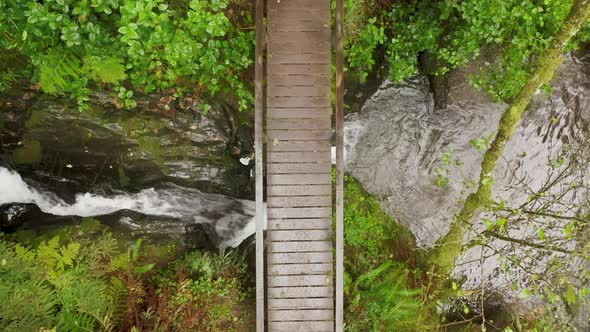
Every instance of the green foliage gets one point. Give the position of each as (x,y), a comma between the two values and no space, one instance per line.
(371,237)
(158,45)
(202,293)
(381,266)
(359,52)
(7,78)
(97,283)
(385,302)
(49,286)
(458,32)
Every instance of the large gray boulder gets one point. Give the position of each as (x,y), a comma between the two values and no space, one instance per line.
(395,144)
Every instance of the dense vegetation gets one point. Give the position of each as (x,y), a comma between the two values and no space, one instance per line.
(438,36)
(84,279)
(195,47)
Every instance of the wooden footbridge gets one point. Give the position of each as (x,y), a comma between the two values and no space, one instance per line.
(299,270)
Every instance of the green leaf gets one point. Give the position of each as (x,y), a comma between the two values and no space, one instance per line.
(570,295)
(524,294)
(108,70)
(541,234)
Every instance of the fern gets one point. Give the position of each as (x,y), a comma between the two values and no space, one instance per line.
(75,322)
(107,70)
(58,70)
(119,295)
(7,78)
(26,302)
(386,301)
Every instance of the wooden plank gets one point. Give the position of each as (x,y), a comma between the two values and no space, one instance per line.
(323,35)
(287,4)
(297,168)
(296,80)
(325,303)
(298,146)
(299,113)
(298,46)
(299,201)
(296,25)
(318,212)
(292,58)
(291,17)
(305,190)
(286,11)
(311,280)
(324,123)
(299,269)
(300,235)
(298,69)
(303,246)
(305,91)
(300,315)
(293,179)
(300,257)
(299,292)
(314,326)
(300,157)
(282,224)
(298,101)
(298,135)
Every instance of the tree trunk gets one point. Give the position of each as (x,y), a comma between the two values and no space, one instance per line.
(450,246)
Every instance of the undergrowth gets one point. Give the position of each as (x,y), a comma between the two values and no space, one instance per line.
(87,280)
(383,285)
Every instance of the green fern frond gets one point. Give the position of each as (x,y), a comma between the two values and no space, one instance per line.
(119,295)
(75,321)
(107,70)
(7,78)
(58,69)
(385,298)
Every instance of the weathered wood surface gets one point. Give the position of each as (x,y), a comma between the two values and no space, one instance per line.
(299,258)
(258,146)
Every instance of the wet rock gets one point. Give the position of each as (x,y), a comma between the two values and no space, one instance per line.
(136,149)
(395,145)
(12,216)
(201,236)
(247,249)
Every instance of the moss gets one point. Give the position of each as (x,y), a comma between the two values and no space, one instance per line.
(91,225)
(37,118)
(30,153)
(123,179)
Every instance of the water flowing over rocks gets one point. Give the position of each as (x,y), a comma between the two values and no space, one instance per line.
(394,145)
(145,173)
(134,148)
(196,219)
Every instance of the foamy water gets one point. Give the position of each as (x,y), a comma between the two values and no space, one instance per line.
(232,218)
(14,190)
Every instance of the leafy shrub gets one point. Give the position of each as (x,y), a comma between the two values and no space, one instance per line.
(202,293)
(456,33)
(156,44)
(50,286)
(97,283)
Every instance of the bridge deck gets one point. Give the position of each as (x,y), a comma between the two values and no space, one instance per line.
(300,292)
